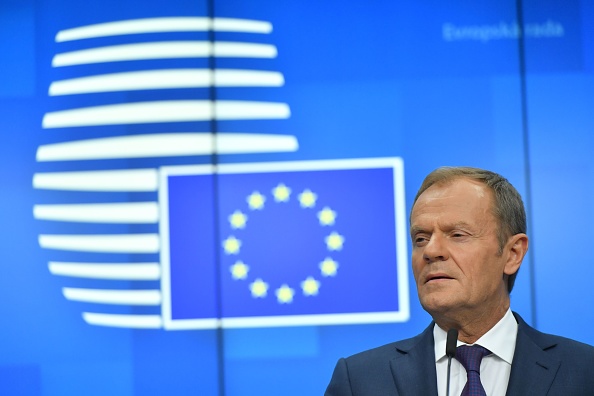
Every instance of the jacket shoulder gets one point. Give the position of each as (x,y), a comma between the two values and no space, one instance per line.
(391,350)
(554,343)
(550,364)
(370,372)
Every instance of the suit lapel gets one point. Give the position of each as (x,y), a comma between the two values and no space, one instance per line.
(414,367)
(533,370)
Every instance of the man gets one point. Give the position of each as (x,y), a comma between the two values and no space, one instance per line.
(468,230)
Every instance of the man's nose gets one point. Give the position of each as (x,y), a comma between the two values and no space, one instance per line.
(435,249)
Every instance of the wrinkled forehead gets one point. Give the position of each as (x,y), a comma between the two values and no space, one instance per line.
(457,196)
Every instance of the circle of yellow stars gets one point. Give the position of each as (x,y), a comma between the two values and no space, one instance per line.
(285,293)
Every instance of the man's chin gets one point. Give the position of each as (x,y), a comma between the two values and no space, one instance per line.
(438,305)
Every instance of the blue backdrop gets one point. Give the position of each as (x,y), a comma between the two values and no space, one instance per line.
(304,129)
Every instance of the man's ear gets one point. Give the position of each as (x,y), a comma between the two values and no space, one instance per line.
(516,248)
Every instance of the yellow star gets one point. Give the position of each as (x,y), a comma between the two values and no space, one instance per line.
(310,286)
(239,270)
(328,267)
(327,216)
(259,288)
(237,220)
(284,294)
(307,199)
(281,193)
(334,241)
(256,200)
(231,245)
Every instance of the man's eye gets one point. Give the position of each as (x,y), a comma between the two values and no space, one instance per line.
(420,240)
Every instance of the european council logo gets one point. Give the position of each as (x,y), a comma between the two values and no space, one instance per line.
(142,240)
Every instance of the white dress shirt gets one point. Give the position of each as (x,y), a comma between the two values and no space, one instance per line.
(495,368)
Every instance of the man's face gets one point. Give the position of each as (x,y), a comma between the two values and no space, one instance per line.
(456,261)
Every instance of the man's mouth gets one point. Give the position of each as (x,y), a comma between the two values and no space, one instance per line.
(437,277)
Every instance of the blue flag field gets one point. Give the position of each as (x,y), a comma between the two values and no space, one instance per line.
(284,243)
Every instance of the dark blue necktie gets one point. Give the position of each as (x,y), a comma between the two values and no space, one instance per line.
(470,357)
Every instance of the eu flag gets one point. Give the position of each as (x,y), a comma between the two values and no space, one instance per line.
(308,242)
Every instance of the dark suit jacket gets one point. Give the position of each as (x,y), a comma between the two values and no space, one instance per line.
(543,365)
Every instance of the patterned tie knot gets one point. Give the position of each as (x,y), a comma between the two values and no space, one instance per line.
(470,357)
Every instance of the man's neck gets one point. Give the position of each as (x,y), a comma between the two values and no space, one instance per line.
(473,326)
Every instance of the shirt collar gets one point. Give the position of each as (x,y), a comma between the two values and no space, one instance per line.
(500,339)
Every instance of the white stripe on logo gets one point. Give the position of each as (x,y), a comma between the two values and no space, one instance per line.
(166,79)
(165,111)
(125,212)
(120,271)
(161,25)
(164,50)
(128,321)
(166,145)
(108,243)
(111,296)
(127,180)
